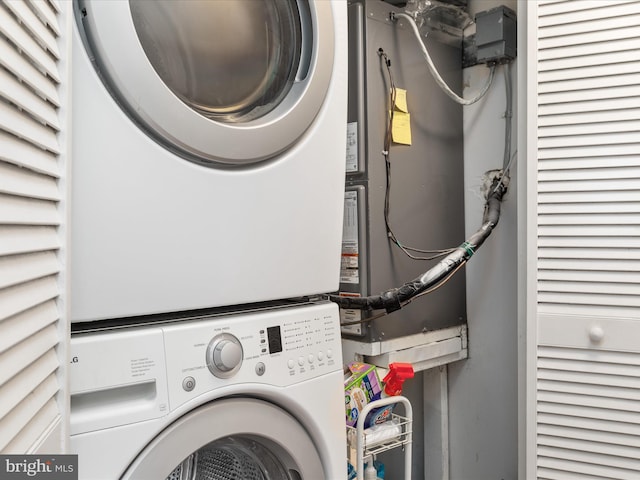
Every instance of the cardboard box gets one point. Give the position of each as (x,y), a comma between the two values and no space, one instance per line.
(361,386)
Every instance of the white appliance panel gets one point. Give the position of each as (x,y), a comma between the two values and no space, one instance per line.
(153,232)
(299,375)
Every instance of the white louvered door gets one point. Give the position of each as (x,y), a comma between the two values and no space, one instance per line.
(584,96)
(33,328)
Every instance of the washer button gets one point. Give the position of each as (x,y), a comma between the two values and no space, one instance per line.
(189,384)
(329,353)
(301,361)
(291,364)
(260,369)
(311,358)
(320,356)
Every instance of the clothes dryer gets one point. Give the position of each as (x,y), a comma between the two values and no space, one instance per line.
(208,153)
(253,395)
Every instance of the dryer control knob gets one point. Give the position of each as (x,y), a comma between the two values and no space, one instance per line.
(224,355)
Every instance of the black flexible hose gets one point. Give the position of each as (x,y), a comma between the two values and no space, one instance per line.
(393,299)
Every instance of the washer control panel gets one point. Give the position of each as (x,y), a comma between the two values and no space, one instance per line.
(276,347)
(135,374)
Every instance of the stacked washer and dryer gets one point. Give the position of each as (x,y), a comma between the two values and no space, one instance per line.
(207,198)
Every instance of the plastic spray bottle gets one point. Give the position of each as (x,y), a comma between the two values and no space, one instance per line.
(393,381)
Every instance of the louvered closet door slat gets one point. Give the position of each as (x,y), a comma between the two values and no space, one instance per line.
(16,239)
(585,299)
(46,13)
(628,16)
(587,95)
(626,454)
(11,425)
(584,73)
(592,61)
(589,435)
(561,7)
(26,127)
(588,151)
(598,252)
(34,25)
(616,432)
(28,380)
(26,183)
(615,379)
(619,171)
(560,459)
(594,277)
(20,298)
(24,154)
(582,165)
(590,287)
(552,474)
(575,82)
(586,414)
(23,353)
(33,430)
(620,196)
(27,211)
(595,218)
(628,30)
(25,324)
(588,231)
(21,95)
(592,128)
(591,11)
(598,389)
(27,45)
(26,72)
(18,269)
(565,111)
(560,185)
(55,4)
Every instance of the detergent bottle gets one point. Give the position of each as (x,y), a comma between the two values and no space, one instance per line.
(393,381)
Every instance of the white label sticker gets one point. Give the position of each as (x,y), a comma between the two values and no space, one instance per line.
(352,147)
(349,272)
(349,315)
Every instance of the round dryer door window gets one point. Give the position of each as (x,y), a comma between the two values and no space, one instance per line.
(231,439)
(224,82)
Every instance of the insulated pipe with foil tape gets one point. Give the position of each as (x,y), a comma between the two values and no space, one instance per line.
(395,298)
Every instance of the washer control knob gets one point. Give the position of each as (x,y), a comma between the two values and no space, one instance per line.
(224,355)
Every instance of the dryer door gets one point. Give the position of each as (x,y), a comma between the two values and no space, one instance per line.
(231,439)
(229,82)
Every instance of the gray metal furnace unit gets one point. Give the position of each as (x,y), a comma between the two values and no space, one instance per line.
(426,208)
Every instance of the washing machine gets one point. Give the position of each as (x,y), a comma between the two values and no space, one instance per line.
(254,395)
(208,153)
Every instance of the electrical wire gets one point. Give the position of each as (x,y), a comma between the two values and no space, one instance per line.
(508,115)
(364,320)
(505,171)
(386,151)
(508,121)
(434,71)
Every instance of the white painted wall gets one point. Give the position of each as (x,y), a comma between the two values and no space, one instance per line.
(483,390)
